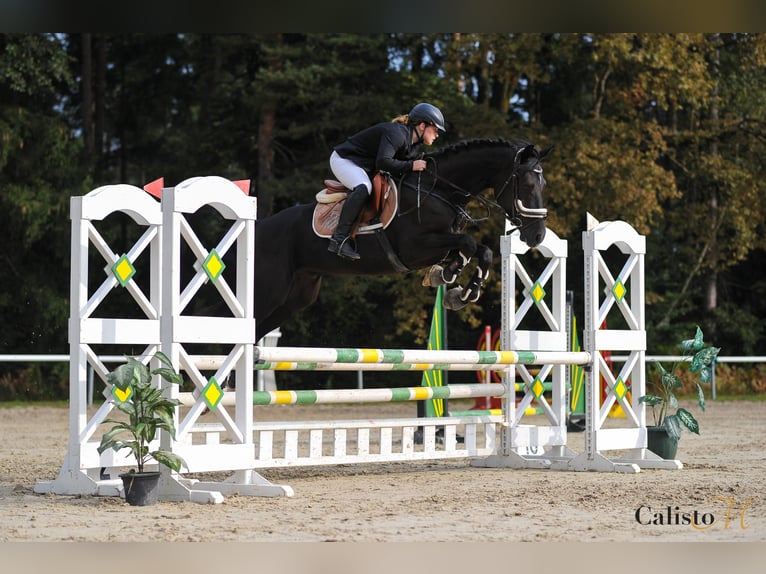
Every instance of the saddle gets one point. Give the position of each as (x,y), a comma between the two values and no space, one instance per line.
(377,213)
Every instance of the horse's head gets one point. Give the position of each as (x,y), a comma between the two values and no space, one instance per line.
(520,194)
(513,170)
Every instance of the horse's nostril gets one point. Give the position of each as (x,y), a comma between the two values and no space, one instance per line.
(536,239)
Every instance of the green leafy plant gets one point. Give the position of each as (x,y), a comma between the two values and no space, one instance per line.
(147,410)
(663,403)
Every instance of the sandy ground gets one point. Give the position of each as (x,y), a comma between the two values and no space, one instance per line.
(446,501)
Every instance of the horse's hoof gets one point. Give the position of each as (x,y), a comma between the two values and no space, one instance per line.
(434,277)
(452,299)
(471,296)
(449,276)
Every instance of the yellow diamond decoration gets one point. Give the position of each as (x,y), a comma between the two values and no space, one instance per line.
(214,265)
(619,290)
(538,388)
(212,393)
(123,270)
(620,388)
(122,395)
(537,292)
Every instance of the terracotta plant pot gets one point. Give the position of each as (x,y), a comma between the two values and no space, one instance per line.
(141,489)
(660,442)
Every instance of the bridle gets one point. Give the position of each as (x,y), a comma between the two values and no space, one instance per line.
(518,209)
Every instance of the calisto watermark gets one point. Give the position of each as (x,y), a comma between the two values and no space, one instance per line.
(732,514)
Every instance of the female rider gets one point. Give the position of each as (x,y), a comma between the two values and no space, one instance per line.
(388,146)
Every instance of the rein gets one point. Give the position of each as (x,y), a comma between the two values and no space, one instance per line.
(458,208)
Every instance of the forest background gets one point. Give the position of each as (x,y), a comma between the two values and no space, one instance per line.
(664,131)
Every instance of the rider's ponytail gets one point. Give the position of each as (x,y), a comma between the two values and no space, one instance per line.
(401,119)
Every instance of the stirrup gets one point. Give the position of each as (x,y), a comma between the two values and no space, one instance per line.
(343,249)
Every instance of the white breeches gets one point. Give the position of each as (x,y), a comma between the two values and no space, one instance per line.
(348,173)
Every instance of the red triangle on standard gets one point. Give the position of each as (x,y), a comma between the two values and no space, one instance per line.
(244,185)
(155,187)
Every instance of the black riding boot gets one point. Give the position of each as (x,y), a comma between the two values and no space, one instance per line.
(339,242)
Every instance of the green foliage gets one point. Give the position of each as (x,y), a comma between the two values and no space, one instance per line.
(147,410)
(609,169)
(33,66)
(702,361)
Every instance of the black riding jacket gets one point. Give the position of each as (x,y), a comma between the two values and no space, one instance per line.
(385,146)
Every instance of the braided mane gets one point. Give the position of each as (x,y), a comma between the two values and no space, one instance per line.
(472,143)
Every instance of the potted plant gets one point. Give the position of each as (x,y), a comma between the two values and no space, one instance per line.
(147,411)
(669,418)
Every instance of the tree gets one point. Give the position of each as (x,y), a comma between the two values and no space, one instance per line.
(39,171)
(719,222)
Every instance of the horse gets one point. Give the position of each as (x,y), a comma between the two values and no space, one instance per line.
(426,230)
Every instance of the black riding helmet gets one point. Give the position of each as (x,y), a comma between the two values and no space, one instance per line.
(429,114)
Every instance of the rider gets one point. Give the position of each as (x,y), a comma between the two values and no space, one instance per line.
(388,146)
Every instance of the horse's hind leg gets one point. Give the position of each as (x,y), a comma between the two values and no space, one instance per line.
(459,297)
(303,291)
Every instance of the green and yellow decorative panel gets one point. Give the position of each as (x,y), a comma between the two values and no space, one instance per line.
(537,292)
(619,290)
(212,393)
(123,270)
(538,388)
(620,389)
(122,395)
(213,265)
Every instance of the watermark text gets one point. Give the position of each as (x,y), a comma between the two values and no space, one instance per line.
(730,512)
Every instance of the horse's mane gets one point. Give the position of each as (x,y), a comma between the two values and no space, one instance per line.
(478,142)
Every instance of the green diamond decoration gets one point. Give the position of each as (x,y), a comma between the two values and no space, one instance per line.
(120,395)
(620,388)
(619,290)
(538,388)
(123,270)
(214,265)
(212,393)
(537,292)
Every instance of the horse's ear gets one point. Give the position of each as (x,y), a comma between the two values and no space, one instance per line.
(525,153)
(545,152)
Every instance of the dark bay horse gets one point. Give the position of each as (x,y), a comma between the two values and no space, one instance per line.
(291,259)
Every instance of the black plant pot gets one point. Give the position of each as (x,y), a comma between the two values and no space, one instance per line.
(660,442)
(141,488)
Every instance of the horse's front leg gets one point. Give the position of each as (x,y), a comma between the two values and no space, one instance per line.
(459,297)
(448,271)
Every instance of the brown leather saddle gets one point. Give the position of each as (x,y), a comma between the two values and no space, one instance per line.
(377,213)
